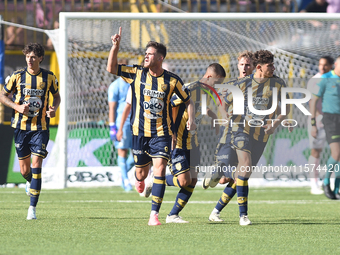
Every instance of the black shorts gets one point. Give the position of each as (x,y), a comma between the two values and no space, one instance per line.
(331,124)
(29,142)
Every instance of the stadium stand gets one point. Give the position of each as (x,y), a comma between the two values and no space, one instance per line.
(44,13)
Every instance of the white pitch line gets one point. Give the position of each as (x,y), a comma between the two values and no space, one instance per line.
(190,202)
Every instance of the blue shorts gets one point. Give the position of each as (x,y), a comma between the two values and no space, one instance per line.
(244,142)
(226,159)
(126,142)
(29,142)
(146,148)
(180,161)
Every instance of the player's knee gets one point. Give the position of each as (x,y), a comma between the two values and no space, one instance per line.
(193,182)
(142,173)
(184,180)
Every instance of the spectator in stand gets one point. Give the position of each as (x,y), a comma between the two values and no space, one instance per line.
(49,43)
(14,35)
(316,6)
(333,6)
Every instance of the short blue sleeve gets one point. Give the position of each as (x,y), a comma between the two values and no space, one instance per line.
(113,92)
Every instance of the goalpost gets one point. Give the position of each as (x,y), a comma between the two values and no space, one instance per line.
(193,40)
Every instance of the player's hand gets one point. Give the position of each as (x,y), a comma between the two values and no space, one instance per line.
(191,125)
(225,92)
(119,135)
(116,38)
(268,129)
(24,109)
(51,112)
(314,131)
(174,141)
(113,132)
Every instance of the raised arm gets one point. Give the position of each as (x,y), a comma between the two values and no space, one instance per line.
(112,62)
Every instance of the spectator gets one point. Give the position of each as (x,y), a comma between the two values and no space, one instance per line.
(14,35)
(333,6)
(316,6)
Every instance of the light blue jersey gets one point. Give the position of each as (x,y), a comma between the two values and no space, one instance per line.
(329,90)
(117,93)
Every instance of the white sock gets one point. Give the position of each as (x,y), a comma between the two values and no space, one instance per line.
(313,172)
(153,213)
(215,211)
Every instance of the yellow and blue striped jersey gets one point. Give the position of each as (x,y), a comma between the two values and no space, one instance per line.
(186,137)
(35,90)
(151,109)
(180,117)
(262,100)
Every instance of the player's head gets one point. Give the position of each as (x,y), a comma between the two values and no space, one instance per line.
(325,64)
(264,63)
(34,53)
(155,53)
(245,64)
(123,61)
(214,74)
(337,65)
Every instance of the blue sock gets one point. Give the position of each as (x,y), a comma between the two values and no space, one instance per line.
(130,162)
(158,189)
(172,181)
(330,165)
(123,167)
(228,194)
(182,199)
(35,186)
(242,194)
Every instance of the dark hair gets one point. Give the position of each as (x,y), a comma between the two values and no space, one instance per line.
(263,57)
(217,69)
(37,48)
(329,59)
(160,48)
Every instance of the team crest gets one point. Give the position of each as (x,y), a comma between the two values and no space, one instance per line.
(41,85)
(269,93)
(240,144)
(178,166)
(164,87)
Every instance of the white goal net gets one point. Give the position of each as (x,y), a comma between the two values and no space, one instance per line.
(193,40)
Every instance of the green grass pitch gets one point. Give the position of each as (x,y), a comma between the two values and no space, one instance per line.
(111,221)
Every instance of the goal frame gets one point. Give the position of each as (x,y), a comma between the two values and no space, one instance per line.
(63,56)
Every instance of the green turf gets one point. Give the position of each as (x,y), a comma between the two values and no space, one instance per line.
(107,221)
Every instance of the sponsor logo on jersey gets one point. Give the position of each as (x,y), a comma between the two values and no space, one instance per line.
(153,93)
(154,105)
(33,92)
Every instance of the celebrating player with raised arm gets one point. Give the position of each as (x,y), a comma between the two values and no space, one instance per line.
(152,89)
(31,87)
